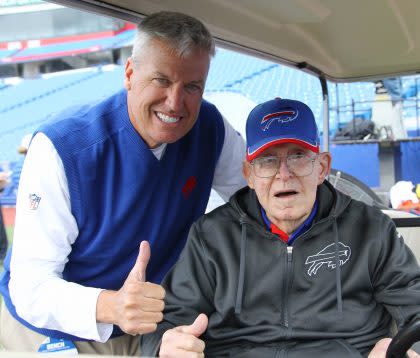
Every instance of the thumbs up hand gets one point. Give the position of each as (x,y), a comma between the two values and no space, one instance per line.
(138,305)
(183,341)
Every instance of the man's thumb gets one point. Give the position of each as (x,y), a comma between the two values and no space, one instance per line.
(198,327)
(139,269)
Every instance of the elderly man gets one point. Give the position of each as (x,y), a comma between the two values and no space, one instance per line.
(289,265)
(136,167)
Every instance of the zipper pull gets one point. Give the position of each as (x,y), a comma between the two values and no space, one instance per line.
(289,253)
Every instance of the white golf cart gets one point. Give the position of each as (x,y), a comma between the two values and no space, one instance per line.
(335,40)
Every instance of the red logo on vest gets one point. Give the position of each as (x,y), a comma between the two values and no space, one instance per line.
(189,186)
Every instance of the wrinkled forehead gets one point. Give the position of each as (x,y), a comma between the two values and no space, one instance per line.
(283,149)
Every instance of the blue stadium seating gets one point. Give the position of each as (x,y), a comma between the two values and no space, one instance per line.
(23,107)
(256,79)
(410,86)
(411,103)
(67,48)
(5,54)
(123,39)
(29,90)
(52,95)
(261,80)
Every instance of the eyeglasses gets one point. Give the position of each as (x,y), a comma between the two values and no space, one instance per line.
(299,165)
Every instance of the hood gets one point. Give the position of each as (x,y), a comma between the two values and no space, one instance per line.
(245,202)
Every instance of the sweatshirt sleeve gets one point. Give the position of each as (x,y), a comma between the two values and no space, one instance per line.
(189,289)
(396,277)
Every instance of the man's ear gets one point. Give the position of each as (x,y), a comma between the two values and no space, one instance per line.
(324,166)
(128,72)
(246,172)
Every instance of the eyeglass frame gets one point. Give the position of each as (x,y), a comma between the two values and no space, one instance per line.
(280,159)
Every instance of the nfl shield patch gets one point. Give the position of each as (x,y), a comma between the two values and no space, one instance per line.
(34,201)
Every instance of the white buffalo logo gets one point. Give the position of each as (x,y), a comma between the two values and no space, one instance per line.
(327,257)
(281,117)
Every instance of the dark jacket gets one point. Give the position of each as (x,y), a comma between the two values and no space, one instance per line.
(331,294)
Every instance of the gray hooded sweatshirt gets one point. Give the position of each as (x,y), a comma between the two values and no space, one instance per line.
(332,294)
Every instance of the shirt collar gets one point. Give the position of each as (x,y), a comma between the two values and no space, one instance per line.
(289,239)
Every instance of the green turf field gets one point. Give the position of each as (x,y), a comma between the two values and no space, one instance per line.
(9,233)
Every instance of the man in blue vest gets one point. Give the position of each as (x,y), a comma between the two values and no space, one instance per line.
(107,195)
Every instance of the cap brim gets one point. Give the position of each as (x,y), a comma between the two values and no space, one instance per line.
(257,149)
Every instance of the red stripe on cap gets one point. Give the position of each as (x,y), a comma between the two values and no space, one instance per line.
(301,143)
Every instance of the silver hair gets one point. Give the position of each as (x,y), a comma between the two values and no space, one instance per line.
(181,32)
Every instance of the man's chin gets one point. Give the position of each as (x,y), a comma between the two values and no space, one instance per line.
(288,214)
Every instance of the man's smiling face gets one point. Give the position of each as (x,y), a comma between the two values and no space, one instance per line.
(165,91)
(286,198)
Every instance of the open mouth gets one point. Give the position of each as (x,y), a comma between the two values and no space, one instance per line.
(167,119)
(285,193)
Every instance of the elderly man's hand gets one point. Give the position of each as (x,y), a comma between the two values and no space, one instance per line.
(138,305)
(379,351)
(183,341)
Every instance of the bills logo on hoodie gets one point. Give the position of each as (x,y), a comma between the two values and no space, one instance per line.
(280,117)
(327,258)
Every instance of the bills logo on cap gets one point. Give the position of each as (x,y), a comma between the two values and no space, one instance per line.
(281,117)
(280,121)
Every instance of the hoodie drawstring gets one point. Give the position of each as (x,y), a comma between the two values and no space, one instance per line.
(241,277)
(337,269)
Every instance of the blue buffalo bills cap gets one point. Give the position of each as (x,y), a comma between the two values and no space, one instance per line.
(280,121)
